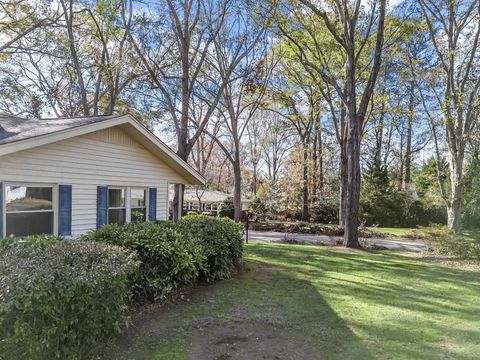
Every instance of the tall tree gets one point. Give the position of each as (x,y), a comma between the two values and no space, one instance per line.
(179,65)
(299,103)
(454,28)
(359,31)
(246,85)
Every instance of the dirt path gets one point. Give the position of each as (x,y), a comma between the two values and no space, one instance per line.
(241,342)
(235,331)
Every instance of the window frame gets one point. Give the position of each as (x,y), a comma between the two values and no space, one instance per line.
(128,200)
(124,207)
(54,187)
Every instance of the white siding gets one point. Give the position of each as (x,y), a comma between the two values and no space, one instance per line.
(107,157)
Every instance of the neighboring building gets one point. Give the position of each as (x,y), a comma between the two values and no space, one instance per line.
(71,175)
(209,200)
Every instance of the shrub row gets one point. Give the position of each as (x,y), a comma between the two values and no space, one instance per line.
(177,254)
(58,298)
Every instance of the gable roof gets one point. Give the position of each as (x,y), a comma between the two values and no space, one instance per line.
(18,134)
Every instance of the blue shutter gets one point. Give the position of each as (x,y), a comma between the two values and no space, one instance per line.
(65,210)
(102,206)
(152,204)
(1,210)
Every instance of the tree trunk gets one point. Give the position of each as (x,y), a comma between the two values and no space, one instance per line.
(407,175)
(305,214)
(237,189)
(352,154)
(314,171)
(455,205)
(320,161)
(183,149)
(343,186)
(68,13)
(254,180)
(177,209)
(353,184)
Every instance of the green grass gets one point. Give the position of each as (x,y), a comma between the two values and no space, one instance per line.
(393,231)
(342,304)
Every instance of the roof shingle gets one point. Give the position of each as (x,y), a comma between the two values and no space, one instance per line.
(13,128)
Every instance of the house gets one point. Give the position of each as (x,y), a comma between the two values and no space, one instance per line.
(67,176)
(206,200)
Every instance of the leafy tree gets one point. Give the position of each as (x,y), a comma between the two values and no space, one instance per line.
(455,35)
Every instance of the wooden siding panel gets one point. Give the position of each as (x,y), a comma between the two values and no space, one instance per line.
(107,157)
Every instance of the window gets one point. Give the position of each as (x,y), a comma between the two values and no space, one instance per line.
(29,210)
(116,206)
(138,204)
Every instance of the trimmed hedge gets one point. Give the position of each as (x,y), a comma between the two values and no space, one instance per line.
(59,298)
(177,254)
(222,240)
(168,260)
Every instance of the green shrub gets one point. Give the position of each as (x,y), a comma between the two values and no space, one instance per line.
(441,241)
(326,211)
(257,210)
(226,208)
(168,259)
(222,240)
(383,204)
(57,301)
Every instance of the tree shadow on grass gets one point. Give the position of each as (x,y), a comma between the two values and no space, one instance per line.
(266,313)
(399,307)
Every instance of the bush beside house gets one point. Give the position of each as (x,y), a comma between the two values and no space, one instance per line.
(168,259)
(58,298)
(222,242)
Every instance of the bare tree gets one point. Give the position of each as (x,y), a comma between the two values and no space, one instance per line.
(299,100)
(41,64)
(454,28)
(352,27)
(245,90)
(276,143)
(184,75)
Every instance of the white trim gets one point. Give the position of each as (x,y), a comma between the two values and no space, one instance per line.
(124,207)
(30,211)
(195,177)
(128,210)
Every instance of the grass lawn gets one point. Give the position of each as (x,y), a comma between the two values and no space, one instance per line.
(309,302)
(394,231)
